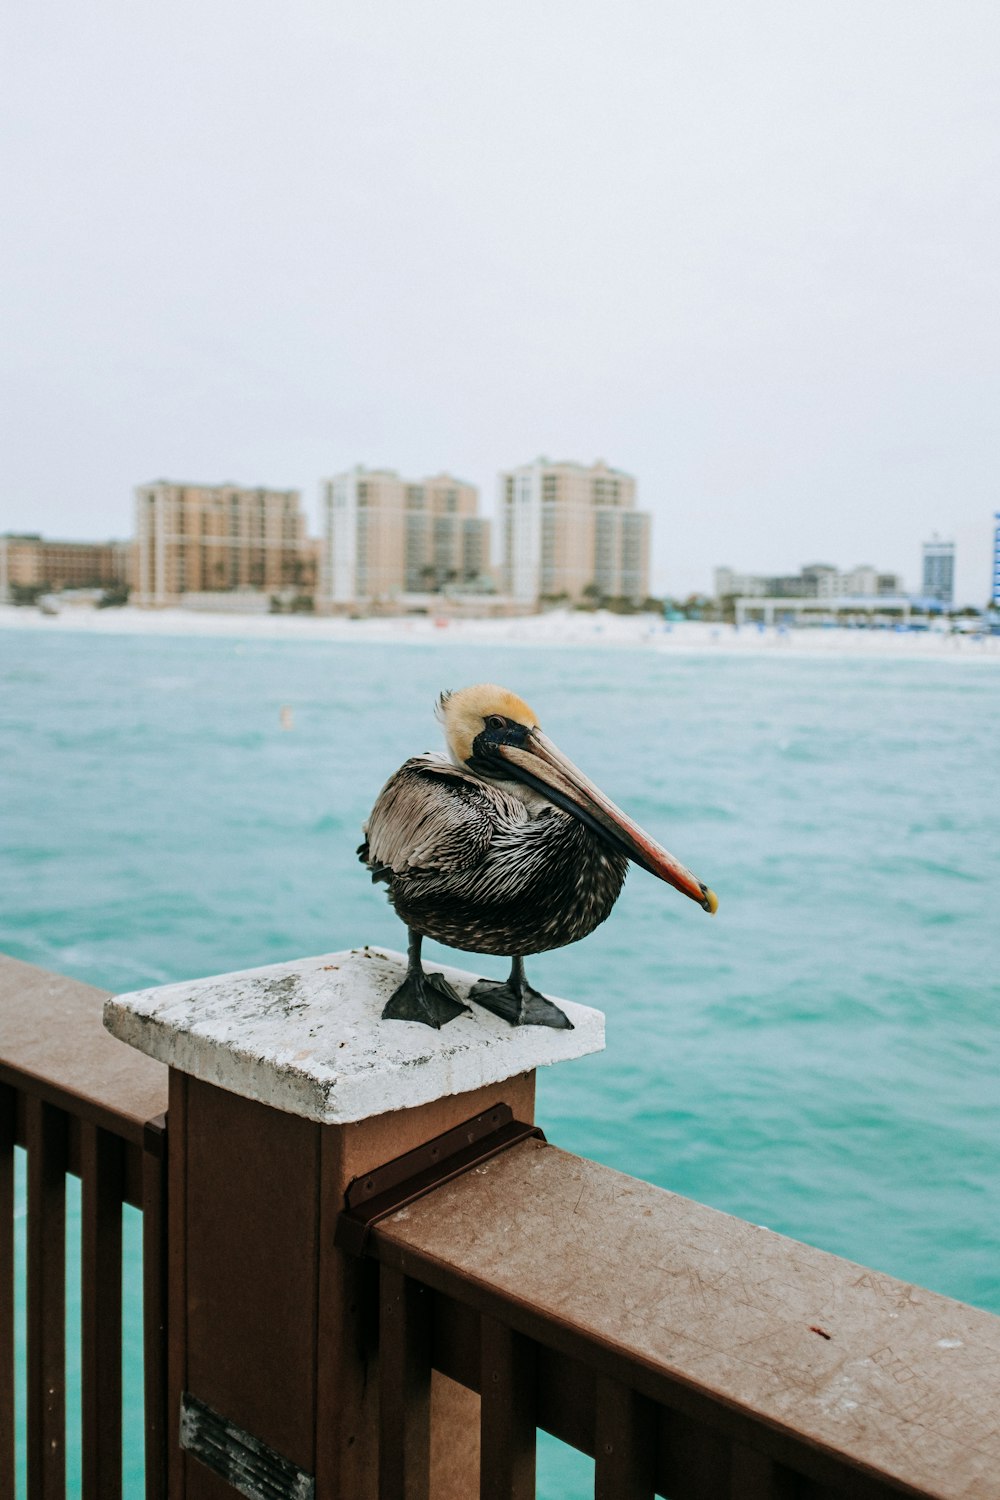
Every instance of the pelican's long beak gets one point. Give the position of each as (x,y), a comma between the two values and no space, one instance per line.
(540,764)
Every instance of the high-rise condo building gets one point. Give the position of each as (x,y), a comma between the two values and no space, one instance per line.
(939,571)
(384,536)
(202,538)
(996,561)
(572,532)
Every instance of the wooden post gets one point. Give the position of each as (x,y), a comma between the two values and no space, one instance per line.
(285,1085)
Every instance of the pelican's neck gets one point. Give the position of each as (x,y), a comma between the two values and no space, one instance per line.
(534,802)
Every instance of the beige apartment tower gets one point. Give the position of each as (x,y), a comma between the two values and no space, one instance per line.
(572,532)
(384,536)
(210,539)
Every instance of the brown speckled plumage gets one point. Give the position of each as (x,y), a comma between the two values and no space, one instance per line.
(470,864)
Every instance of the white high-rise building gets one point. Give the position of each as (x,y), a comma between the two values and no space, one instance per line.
(384,536)
(572,532)
(521,523)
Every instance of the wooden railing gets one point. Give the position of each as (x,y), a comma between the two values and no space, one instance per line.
(691,1354)
(80,1103)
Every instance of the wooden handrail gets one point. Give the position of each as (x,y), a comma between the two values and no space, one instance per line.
(52,1042)
(689,1352)
(777,1351)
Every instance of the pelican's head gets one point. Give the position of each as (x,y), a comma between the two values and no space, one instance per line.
(494,733)
(465,716)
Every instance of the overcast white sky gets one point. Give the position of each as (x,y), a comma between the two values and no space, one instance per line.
(745,249)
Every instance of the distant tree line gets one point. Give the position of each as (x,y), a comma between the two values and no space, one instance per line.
(29,593)
(694,607)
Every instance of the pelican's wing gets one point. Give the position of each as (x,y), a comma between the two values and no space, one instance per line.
(430,817)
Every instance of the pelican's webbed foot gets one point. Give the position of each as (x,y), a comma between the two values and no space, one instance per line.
(423,997)
(518,1002)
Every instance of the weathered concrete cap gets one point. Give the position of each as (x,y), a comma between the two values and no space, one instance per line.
(308,1037)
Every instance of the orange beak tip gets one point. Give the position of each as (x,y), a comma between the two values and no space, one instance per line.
(711,901)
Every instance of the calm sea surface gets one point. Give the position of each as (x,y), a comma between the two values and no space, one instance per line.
(822,1058)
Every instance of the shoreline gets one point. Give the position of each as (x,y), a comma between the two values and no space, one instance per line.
(557,629)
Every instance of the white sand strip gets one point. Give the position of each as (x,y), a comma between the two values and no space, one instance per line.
(560,628)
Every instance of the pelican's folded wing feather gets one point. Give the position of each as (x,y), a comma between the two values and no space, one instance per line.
(430,817)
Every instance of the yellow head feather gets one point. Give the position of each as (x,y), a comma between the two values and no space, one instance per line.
(464,713)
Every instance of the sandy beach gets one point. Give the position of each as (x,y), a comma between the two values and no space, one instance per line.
(558,628)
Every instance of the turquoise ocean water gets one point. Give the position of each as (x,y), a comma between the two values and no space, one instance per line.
(822,1058)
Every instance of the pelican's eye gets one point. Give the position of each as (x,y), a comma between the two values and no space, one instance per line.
(496,721)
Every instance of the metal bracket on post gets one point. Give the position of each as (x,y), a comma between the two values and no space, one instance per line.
(414,1174)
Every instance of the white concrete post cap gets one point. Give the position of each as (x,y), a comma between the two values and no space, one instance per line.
(308,1037)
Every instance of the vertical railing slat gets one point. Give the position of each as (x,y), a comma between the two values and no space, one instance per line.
(507,1386)
(154,1309)
(102,1177)
(7,1126)
(754,1476)
(46,1136)
(624,1444)
(176,1269)
(404,1388)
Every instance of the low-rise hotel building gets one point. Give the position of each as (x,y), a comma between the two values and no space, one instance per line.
(31,561)
(814,581)
(222,538)
(385,536)
(572,532)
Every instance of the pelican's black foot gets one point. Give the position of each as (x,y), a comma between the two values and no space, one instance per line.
(424,997)
(520,1005)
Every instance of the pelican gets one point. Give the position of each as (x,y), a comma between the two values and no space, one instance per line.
(501,846)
